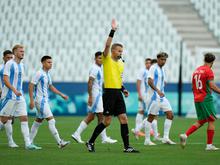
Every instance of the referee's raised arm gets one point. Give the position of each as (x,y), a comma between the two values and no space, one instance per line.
(109,40)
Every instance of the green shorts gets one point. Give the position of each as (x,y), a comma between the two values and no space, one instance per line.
(205,110)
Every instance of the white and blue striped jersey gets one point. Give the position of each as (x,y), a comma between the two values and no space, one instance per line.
(1,76)
(42,81)
(142,76)
(15,73)
(158,75)
(96,73)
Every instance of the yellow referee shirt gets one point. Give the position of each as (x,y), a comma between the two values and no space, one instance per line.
(113,72)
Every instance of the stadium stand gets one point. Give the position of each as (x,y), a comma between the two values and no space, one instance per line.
(72,31)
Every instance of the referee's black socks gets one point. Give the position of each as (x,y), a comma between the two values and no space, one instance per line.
(99,128)
(125,135)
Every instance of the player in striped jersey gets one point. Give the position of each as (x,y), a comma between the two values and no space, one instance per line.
(95,103)
(12,98)
(142,87)
(7,55)
(41,82)
(156,99)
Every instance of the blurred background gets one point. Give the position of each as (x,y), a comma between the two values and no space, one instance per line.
(71,31)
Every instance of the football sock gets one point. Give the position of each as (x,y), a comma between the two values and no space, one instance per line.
(167,126)
(138,122)
(210,135)
(34,130)
(25,132)
(125,135)
(53,130)
(154,127)
(99,128)
(147,130)
(192,129)
(81,127)
(103,134)
(9,131)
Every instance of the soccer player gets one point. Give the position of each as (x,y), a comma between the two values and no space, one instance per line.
(95,103)
(156,100)
(13,102)
(142,87)
(7,55)
(113,101)
(202,86)
(41,81)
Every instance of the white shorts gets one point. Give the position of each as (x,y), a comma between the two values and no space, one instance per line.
(155,106)
(97,105)
(43,110)
(13,108)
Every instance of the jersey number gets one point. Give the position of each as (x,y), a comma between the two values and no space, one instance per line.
(198,81)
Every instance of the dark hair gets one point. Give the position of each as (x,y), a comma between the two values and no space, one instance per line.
(115,45)
(97,54)
(209,57)
(162,54)
(153,61)
(44,58)
(7,52)
(147,59)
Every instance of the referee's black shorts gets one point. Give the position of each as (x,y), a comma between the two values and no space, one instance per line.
(113,102)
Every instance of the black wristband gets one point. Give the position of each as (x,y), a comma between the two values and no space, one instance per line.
(123,88)
(111,34)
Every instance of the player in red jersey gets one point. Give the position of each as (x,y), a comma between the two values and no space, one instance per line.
(202,86)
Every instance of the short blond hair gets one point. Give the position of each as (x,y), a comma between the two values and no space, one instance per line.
(16,47)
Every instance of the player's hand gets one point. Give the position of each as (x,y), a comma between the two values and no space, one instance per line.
(17,93)
(114,24)
(90,101)
(126,93)
(65,97)
(31,104)
(140,98)
(161,94)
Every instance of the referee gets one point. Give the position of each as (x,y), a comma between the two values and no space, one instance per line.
(113,101)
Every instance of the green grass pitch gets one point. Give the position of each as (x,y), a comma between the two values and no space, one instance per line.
(109,154)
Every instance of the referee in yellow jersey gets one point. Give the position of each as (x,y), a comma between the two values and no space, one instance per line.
(113,100)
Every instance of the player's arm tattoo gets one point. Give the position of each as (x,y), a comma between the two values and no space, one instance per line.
(151,84)
(90,82)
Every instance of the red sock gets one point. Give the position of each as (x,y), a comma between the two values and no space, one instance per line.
(192,129)
(210,135)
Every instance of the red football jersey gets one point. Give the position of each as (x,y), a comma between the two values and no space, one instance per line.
(200,83)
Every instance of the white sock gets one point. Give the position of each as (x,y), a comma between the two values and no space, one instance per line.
(81,127)
(53,130)
(103,134)
(25,132)
(138,122)
(154,127)
(34,130)
(9,131)
(147,130)
(1,125)
(167,126)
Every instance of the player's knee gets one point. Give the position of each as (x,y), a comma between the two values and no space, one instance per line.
(39,120)
(90,118)
(170,115)
(107,123)
(141,112)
